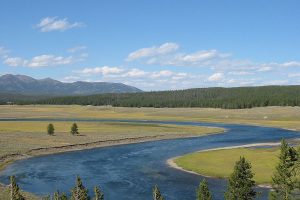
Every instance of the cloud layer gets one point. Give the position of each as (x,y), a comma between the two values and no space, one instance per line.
(55,24)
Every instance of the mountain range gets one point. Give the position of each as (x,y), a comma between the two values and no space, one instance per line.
(26,85)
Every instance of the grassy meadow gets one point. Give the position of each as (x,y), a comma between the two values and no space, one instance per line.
(284,117)
(220,163)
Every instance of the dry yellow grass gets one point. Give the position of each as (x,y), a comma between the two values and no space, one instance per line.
(285,117)
(19,137)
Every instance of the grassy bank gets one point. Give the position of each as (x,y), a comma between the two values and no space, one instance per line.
(220,163)
(21,137)
(284,117)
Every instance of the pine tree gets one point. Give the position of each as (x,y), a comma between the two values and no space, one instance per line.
(203,192)
(74,129)
(79,192)
(156,194)
(50,129)
(56,196)
(15,190)
(98,194)
(241,184)
(285,176)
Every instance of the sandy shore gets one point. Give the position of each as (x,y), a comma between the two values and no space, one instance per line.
(171,161)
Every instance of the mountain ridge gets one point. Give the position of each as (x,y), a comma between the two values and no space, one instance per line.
(26,85)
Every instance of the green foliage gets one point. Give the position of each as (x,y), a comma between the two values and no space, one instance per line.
(50,129)
(285,180)
(156,193)
(58,196)
(98,194)
(15,190)
(228,98)
(79,192)
(203,192)
(74,129)
(241,184)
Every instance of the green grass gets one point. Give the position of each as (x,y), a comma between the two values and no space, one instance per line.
(220,163)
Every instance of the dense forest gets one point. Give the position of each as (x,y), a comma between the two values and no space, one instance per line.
(228,98)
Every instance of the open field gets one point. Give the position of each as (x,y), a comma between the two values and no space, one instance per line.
(220,163)
(284,117)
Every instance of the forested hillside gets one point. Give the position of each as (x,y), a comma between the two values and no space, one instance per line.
(230,98)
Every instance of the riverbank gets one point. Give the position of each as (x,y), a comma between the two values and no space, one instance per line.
(208,162)
(151,132)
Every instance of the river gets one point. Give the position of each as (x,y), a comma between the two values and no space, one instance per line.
(129,171)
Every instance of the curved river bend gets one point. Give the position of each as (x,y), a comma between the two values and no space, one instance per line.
(129,171)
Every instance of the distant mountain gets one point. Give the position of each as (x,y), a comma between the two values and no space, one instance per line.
(25,85)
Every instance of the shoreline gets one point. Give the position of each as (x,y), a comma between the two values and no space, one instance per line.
(171,161)
(11,158)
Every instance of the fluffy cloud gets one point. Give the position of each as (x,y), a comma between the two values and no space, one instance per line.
(106,70)
(168,54)
(216,77)
(54,24)
(76,49)
(41,61)
(153,51)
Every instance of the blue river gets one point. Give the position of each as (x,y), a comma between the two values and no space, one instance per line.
(129,171)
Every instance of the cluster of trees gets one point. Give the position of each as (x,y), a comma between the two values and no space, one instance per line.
(74,129)
(228,98)
(241,186)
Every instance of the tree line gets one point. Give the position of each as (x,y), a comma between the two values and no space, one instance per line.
(241,185)
(227,98)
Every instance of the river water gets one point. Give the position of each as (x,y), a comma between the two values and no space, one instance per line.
(129,171)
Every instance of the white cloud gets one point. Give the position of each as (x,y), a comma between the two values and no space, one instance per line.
(105,70)
(240,73)
(265,68)
(216,77)
(135,73)
(54,24)
(14,61)
(153,51)
(295,75)
(41,61)
(291,64)
(76,49)
(3,52)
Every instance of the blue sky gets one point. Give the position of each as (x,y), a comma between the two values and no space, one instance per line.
(153,45)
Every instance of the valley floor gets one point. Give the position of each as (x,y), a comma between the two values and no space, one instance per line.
(21,139)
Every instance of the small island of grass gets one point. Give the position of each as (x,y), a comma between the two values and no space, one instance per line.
(219,163)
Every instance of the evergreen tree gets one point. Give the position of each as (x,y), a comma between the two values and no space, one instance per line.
(15,190)
(63,197)
(74,129)
(241,184)
(285,176)
(203,192)
(79,192)
(50,129)
(98,194)
(58,196)
(156,193)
